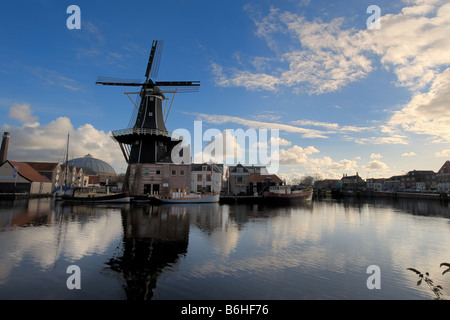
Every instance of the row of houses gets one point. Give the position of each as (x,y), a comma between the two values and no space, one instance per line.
(415,180)
(41,177)
(204,177)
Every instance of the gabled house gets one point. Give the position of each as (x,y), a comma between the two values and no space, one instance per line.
(419,180)
(20,177)
(262,182)
(249,180)
(50,170)
(238,179)
(443,177)
(206,177)
(354,182)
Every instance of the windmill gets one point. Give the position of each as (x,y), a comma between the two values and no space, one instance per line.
(148,140)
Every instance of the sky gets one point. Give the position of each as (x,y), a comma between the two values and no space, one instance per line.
(346,93)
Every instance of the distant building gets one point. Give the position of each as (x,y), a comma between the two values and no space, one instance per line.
(419,180)
(50,170)
(352,182)
(445,168)
(443,177)
(158,178)
(206,177)
(68,176)
(375,184)
(262,182)
(393,183)
(99,167)
(249,179)
(20,177)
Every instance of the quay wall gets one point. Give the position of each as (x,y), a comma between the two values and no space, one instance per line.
(410,195)
(9,196)
(397,195)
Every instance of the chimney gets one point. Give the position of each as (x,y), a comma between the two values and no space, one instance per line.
(4,149)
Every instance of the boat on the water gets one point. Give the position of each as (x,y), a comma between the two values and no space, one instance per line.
(89,196)
(178,197)
(286,194)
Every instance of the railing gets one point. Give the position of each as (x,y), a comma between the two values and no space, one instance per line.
(145,131)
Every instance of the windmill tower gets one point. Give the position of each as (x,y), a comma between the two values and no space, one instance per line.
(148,141)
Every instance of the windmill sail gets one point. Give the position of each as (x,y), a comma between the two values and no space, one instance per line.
(148,140)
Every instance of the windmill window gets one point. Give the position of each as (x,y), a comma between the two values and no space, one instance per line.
(174,172)
(158,171)
(181,172)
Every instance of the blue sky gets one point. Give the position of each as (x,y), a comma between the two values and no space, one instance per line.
(345,98)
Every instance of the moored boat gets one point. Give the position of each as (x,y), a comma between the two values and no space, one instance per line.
(84,195)
(287,194)
(177,197)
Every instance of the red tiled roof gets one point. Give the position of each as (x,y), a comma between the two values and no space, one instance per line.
(43,166)
(26,171)
(256,177)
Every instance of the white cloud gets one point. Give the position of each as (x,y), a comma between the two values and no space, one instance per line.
(414,42)
(376,156)
(281,142)
(53,78)
(409,154)
(428,113)
(221,119)
(324,57)
(376,165)
(223,147)
(247,79)
(23,113)
(343,166)
(296,156)
(443,154)
(327,125)
(393,139)
(47,142)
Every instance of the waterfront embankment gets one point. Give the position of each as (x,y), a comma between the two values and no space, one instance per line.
(442,196)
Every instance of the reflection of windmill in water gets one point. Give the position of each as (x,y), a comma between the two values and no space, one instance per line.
(148,144)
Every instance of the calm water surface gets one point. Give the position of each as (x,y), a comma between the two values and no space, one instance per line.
(317,251)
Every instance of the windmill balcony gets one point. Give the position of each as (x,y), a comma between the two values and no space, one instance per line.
(145,131)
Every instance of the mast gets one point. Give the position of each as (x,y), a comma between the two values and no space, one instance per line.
(67,161)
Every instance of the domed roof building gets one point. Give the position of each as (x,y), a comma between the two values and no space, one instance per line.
(95,166)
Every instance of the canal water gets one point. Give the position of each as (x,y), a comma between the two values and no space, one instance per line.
(328,249)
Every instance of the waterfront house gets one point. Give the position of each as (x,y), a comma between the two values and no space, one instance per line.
(375,184)
(262,182)
(238,179)
(443,177)
(158,178)
(419,180)
(248,180)
(68,176)
(50,170)
(20,177)
(354,182)
(206,177)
